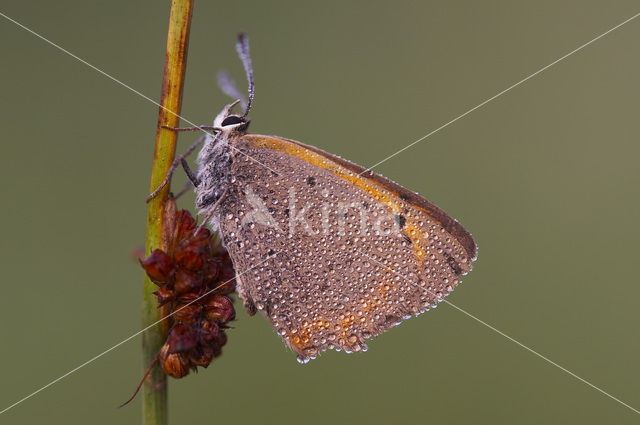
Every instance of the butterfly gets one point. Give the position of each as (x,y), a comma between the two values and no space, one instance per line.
(329,252)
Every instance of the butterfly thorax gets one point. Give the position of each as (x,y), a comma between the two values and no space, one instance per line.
(214,167)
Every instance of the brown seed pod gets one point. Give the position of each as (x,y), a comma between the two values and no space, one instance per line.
(159,266)
(173,364)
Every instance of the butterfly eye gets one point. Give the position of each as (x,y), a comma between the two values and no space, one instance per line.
(233,120)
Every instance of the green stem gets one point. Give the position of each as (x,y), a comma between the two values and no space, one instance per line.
(154,390)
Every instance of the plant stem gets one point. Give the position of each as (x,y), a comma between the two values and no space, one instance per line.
(154,407)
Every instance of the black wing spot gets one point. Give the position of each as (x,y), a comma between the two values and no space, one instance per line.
(391,320)
(267,307)
(311,181)
(453,264)
(400,220)
(249,306)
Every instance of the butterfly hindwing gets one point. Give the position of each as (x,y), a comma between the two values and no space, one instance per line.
(348,253)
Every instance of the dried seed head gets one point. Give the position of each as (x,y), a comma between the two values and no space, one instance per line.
(195,276)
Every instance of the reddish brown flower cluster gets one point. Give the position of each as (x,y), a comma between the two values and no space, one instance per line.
(195,276)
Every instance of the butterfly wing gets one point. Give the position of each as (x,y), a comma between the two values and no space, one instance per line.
(329,253)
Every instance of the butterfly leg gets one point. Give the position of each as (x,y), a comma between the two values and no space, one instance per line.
(192,177)
(174,165)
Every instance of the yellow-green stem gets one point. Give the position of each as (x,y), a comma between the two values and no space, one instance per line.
(154,390)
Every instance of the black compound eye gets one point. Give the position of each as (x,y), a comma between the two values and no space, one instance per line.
(232,120)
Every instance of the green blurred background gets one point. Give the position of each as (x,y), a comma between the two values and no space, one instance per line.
(546,178)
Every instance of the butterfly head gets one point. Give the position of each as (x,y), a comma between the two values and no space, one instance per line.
(229,122)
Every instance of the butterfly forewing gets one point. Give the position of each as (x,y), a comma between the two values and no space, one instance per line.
(352,253)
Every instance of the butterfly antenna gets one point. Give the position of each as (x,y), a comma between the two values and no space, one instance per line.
(155,360)
(228,87)
(242,47)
